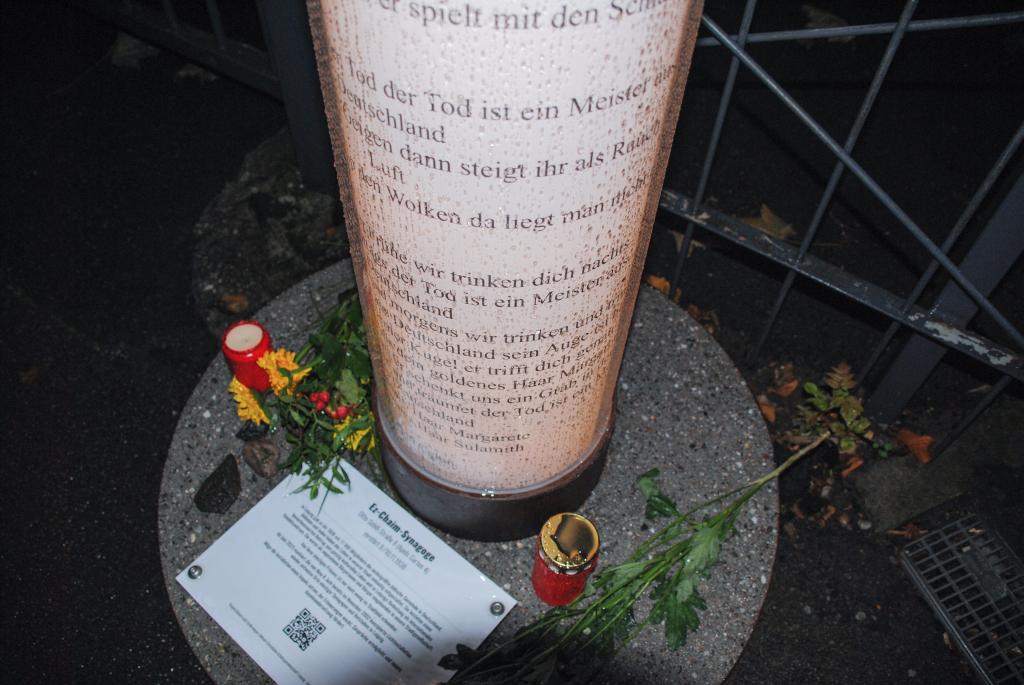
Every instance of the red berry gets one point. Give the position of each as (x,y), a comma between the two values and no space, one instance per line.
(343,411)
(320,405)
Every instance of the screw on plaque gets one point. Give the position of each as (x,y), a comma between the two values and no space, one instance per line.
(195,571)
(497,608)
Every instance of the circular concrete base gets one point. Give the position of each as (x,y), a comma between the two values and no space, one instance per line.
(498,516)
(682,408)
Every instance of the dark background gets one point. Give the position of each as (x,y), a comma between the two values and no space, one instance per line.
(106,170)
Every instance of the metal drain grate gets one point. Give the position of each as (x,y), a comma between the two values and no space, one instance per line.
(975,584)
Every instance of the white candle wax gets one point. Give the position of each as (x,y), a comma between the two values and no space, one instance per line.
(244,337)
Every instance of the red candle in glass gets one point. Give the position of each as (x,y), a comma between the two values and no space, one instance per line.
(566,556)
(243,343)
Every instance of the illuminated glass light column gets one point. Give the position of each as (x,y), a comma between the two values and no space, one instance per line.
(500,168)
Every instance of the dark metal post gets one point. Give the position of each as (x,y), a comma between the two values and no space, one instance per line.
(1000,244)
(290,44)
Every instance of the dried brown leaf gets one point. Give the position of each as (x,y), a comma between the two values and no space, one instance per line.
(234,304)
(767,408)
(771,224)
(841,377)
(917,444)
(658,283)
(854,463)
(706,318)
(787,389)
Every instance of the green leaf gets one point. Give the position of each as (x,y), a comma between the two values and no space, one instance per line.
(813,390)
(331,350)
(331,486)
(658,505)
(860,426)
(684,589)
(675,625)
(850,409)
(648,482)
(689,615)
(621,574)
(847,444)
(339,474)
(704,548)
(349,388)
(359,362)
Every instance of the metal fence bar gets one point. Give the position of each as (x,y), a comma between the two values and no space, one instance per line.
(290,44)
(213,11)
(971,416)
(961,223)
(837,172)
(716,134)
(237,60)
(843,282)
(996,19)
(867,180)
(989,259)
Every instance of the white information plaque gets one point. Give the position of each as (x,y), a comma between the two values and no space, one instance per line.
(355,591)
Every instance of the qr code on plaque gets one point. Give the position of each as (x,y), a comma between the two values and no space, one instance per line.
(304,629)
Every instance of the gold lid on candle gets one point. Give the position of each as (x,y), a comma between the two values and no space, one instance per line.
(569,541)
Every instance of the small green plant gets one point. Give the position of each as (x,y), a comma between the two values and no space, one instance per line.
(835,410)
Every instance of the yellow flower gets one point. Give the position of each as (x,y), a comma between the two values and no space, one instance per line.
(353,439)
(357,436)
(248,406)
(273,362)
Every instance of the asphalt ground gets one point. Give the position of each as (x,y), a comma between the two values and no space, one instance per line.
(107,169)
